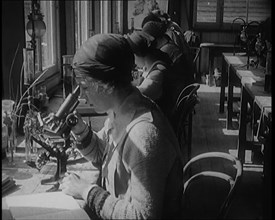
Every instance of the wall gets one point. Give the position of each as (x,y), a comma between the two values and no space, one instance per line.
(13,34)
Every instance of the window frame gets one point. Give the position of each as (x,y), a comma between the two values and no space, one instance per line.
(93,17)
(219,25)
(55,33)
(81,22)
(52,7)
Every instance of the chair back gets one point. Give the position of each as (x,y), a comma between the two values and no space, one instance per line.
(196,59)
(182,118)
(189,90)
(210,181)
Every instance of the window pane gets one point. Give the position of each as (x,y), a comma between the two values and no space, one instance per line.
(234,9)
(27,11)
(206,10)
(77,24)
(48,57)
(45,52)
(259,10)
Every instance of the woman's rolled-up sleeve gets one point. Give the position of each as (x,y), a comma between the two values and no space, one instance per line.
(94,150)
(145,195)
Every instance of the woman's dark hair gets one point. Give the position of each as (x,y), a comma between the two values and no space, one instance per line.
(105,57)
(150,17)
(140,42)
(156,16)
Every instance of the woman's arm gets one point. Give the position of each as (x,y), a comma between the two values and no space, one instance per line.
(149,161)
(151,86)
(92,145)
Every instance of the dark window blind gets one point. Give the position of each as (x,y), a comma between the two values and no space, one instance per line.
(259,10)
(206,11)
(234,9)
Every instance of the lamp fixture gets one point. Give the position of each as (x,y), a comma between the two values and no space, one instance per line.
(245,40)
(243,35)
(35,27)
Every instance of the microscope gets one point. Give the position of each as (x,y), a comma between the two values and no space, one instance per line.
(58,124)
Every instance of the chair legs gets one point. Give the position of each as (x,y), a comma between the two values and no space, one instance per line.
(186,138)
(189,138)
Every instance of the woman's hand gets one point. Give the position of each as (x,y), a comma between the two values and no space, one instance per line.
(73,185)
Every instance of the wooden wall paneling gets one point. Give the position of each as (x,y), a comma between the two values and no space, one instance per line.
(62,28)
(97,18)
(13,36)
(70,27)
(217,37)
(174,10)
(125,17)
(110,16)
(185,16)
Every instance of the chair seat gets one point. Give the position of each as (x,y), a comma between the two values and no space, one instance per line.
(208,192)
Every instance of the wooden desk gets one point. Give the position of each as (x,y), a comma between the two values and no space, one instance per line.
(249,92)
(234,70)
(228,61)
(261,100)
(252,91)
(215,50)
(264,134)
(28,180)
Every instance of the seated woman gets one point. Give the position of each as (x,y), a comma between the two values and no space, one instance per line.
(159,80)
(136,150)
(153,62)
(172,29)
(181,59)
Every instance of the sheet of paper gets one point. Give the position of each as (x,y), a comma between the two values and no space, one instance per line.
(69,214)
(51,205)
(234,60)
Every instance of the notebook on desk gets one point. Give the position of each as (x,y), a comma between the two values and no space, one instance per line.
(51,205)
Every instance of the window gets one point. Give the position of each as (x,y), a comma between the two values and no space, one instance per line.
(220,13)
(206,11)
(93,17)
(81,22)
(46,47)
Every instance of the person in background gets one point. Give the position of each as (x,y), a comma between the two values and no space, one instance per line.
(136,151)
(172,29)
(161,40)
(153,62)
(181,62)
(158,79)
(176,35)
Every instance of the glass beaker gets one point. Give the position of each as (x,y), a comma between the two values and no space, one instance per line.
(7,106)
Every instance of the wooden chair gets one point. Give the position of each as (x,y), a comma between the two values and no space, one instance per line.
(188,90)
(210,181)
(182,118)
